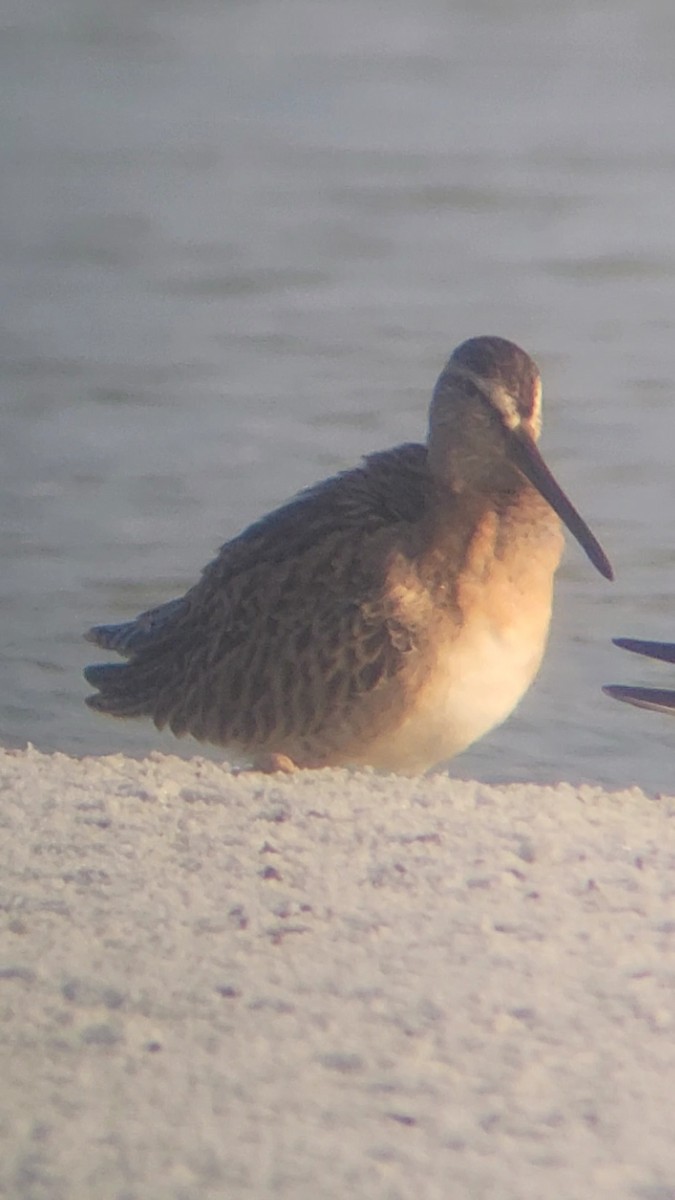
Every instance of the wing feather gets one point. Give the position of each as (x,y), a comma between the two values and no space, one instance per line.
(287,625)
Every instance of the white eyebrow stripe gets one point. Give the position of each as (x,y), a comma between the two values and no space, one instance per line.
(506,405)
(504,401)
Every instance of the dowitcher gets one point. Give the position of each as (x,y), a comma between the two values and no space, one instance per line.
(658,699)
(388,616)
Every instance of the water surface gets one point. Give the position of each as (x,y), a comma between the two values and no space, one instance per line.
(238,243)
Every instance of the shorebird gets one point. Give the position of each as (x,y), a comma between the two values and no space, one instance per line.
(658,699)
(388,616)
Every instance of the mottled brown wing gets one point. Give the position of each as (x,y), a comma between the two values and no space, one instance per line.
(287,627)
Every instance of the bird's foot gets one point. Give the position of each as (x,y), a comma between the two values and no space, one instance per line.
(270,764)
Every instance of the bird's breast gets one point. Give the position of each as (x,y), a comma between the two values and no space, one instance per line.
(484,648)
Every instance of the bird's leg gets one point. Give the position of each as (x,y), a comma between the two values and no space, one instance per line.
(271,763)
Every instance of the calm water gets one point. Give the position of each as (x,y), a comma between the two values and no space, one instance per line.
(238,242)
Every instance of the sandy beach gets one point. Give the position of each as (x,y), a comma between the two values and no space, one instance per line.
(331,985)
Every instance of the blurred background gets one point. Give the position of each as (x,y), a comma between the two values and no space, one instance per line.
(238,242)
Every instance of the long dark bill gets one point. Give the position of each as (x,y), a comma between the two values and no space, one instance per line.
(663,650)
(655,699)
(529,461)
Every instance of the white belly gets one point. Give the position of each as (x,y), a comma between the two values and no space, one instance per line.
(473,687)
